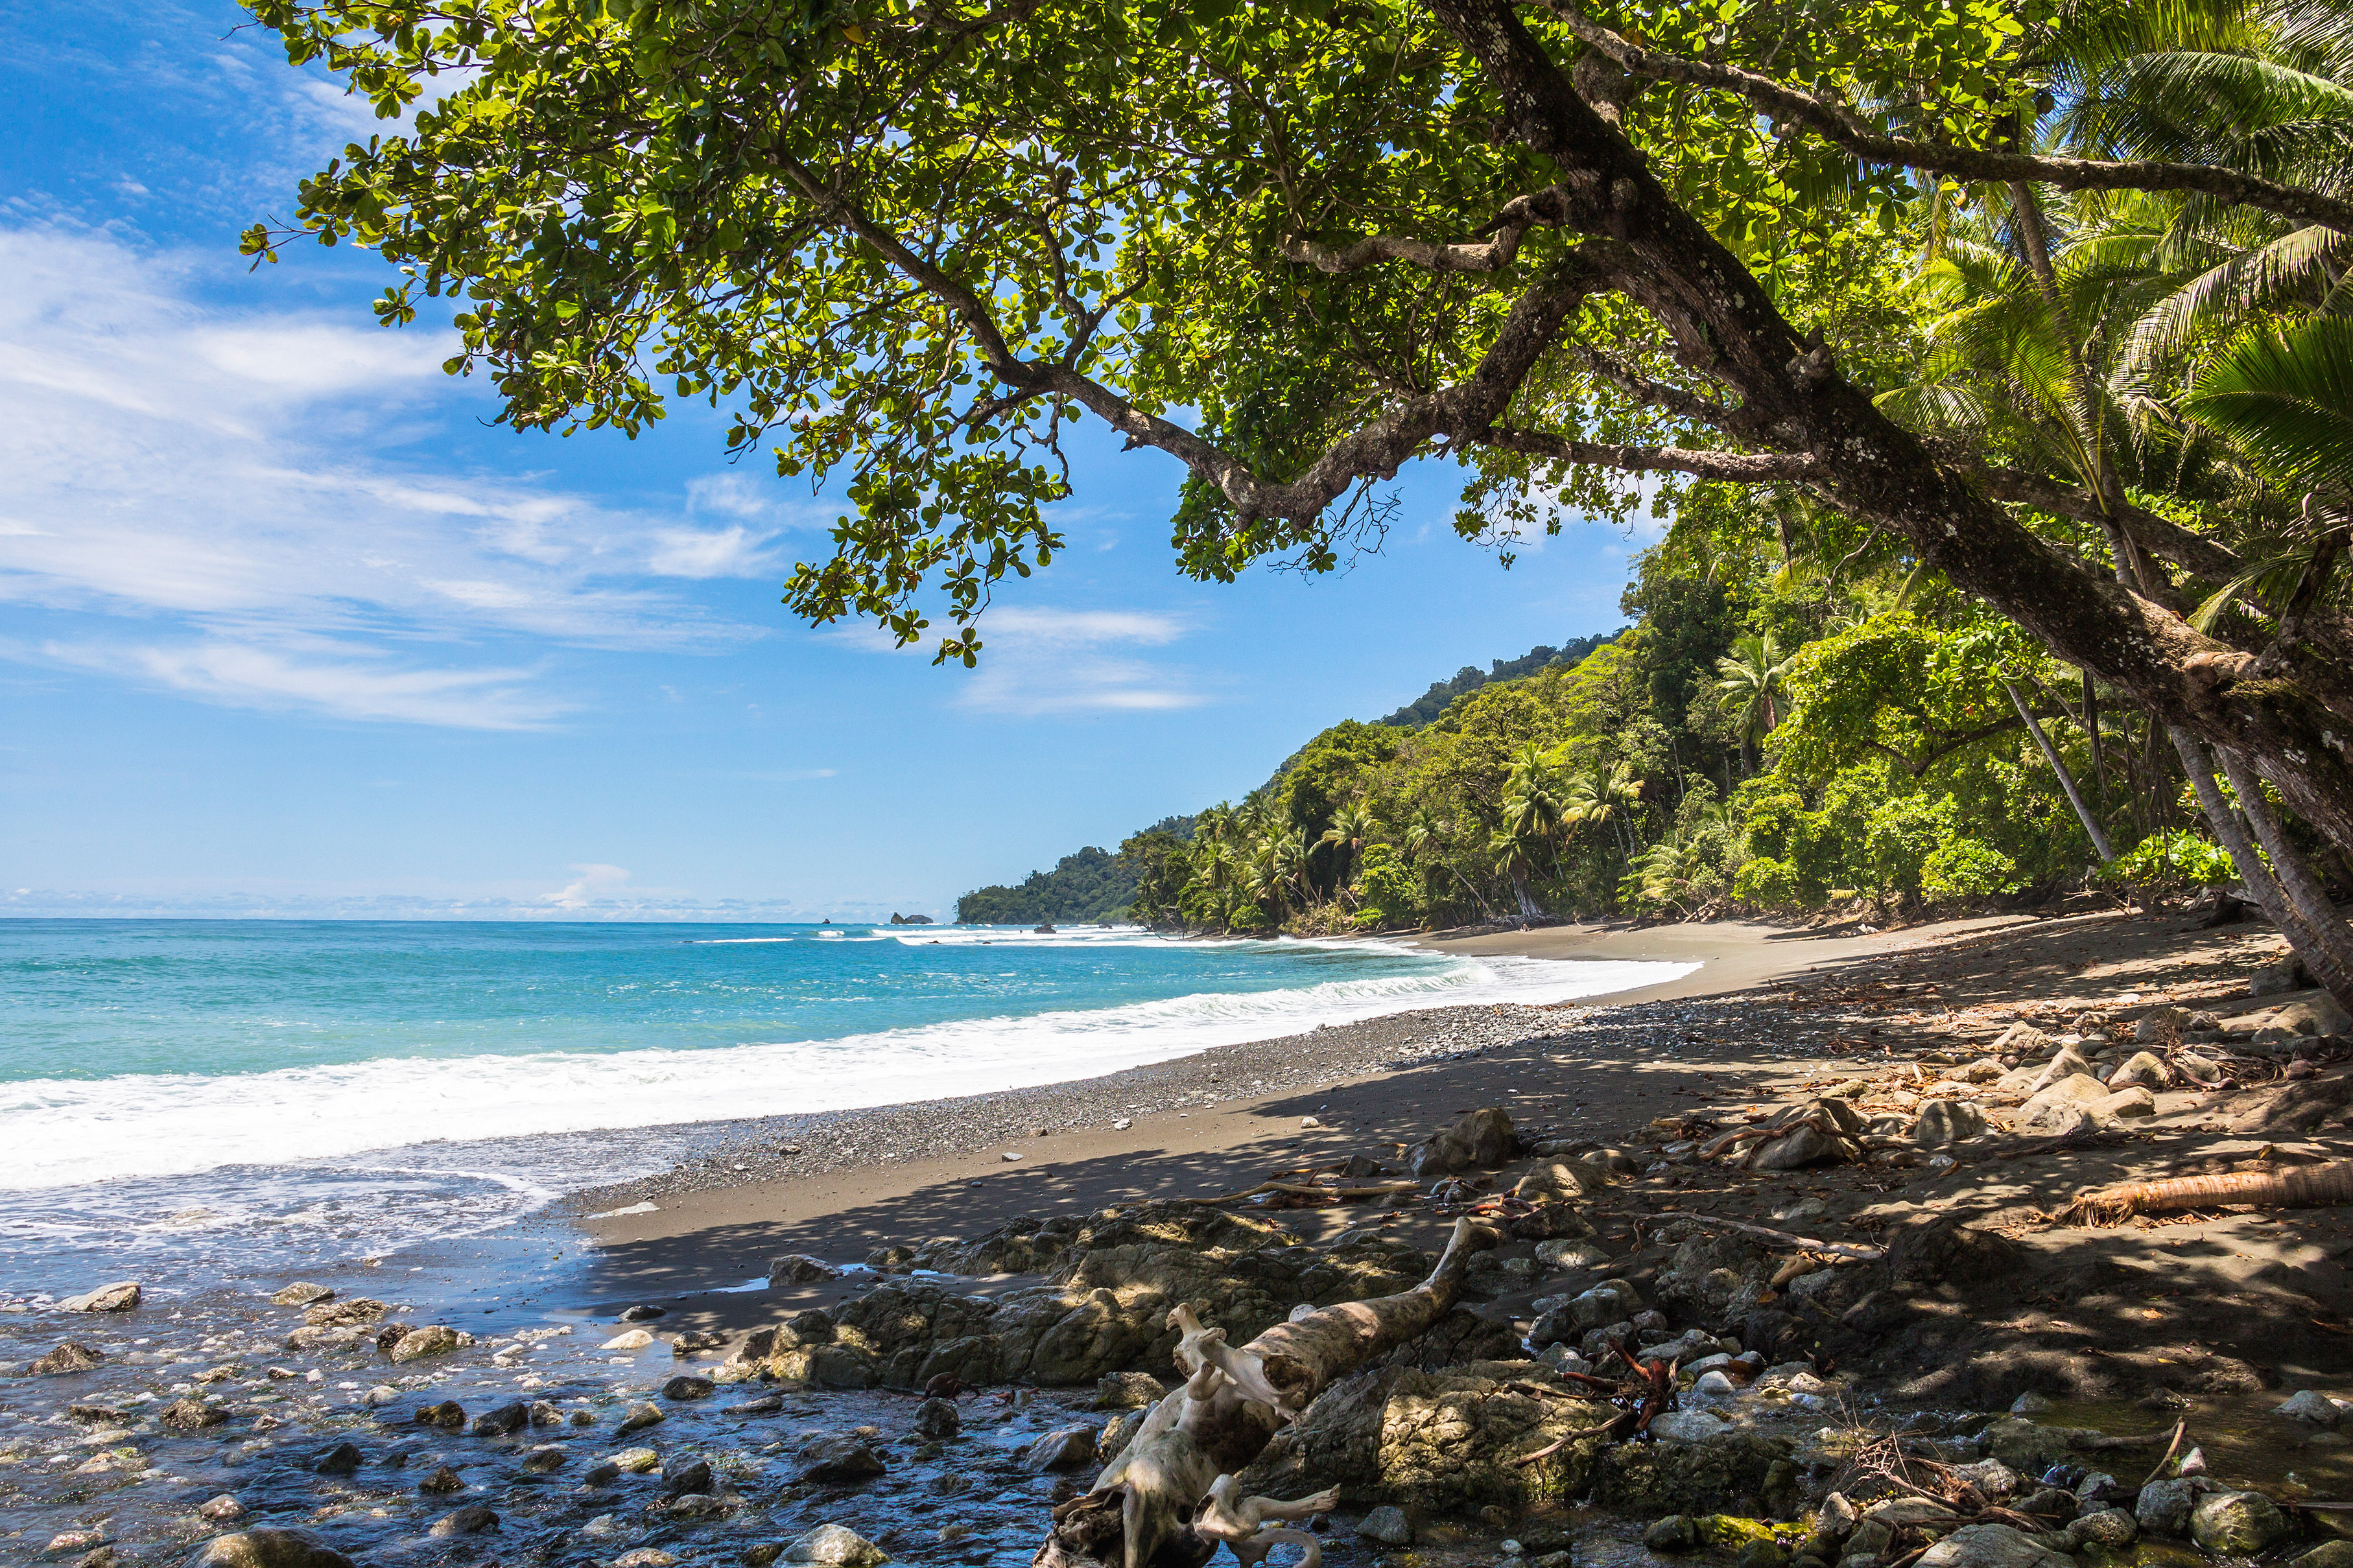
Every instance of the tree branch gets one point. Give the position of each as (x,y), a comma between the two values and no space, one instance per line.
(1673,399)
(2161,537)
(1739,466)
(1839,125)
(1547,208)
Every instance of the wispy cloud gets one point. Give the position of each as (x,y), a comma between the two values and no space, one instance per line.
(593,881)
(240,475)
(1038,661)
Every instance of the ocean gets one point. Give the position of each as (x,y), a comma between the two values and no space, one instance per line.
(191,1100)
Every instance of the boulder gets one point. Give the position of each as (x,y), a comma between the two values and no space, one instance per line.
(343,1460)
(2163,1507)
(639,1416)
(2328,1554)
(1611,1302)
(1386,1525)
(2068,1063)
(1990,1546)
(271,1548)
(2123,1105)
(434,1339)
(2237,1525)
(629,1339)
(70,1356)
(2316,1015)
(118,1296)
(1560,1180)
(837,1462)
(1675,1532)
(1985,1069)
(637,1461)
(346,1314)
(512,1417)
(938,1418)
(1571,1253)
(1483,1137)
(2113,1528)
(471,1519)
(301,1293)
(449,1415)
(687,1385)
(2279,977)
(2142,1069)
(2061,1105)
(2312,1407)
(1064,1448)
(688,1478)
(2021,1039)
(1117,1434)
(442,1481)
(1128,1391)
(1945,1122)
(190,1415)
(837,1547)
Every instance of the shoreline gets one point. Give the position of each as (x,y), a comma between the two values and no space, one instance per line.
(879,1176)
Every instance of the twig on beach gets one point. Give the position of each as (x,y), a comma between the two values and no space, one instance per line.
(1834,1248)
(2179,1427)
(1311,1190)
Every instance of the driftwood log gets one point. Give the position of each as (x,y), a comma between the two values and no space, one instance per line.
(1169,1499)
(2306,1187)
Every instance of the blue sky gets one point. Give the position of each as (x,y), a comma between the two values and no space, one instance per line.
(287,628)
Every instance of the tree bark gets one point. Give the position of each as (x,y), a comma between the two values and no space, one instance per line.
(2327,948)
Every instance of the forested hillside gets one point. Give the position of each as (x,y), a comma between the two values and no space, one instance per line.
(1432,703)
(1092,884)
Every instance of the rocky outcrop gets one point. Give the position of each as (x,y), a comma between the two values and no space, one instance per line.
(1476,1138)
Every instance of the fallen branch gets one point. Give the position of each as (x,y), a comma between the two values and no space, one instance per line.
(1806,1244)
(2310,1186)
(2179,1427)
(1549,1449)
(1313,1190)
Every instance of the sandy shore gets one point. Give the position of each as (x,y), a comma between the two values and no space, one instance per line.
(1220,1119)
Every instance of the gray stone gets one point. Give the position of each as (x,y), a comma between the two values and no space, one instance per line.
(1676,1532)
(837,1547)
(1117,1434)
(1064,1448)
(2058,1106)
(937,1418)
(434,1339)
(2239,1524)
(1128,1391)
(1611,1302)
(2312,1406)
(640,1417)
(2110,1527)
(1387,1525)
(688,1387)
(506,1418)
(2278,978)
(1804,1147)
(118,1296)
(1990,1546)
(2143,1069)
(1715,1383)
(1945,1122)
(471,1519)
(70,1356)
(271,1548)
(2328,1554)
(838,1459)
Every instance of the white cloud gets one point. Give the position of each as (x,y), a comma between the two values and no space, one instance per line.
(1036,660)
(237,474)
(583,891)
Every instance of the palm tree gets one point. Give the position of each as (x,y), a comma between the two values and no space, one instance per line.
(1352,828)
(1533,809)
(1509,852)
(1748,683)
(1606,797)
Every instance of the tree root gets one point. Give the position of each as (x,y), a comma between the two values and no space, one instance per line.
(2311,1186)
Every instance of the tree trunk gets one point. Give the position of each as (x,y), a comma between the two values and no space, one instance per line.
(2092,827)
(1141,1512)
(2328,947)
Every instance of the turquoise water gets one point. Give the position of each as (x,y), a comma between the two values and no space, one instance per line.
(178,1084)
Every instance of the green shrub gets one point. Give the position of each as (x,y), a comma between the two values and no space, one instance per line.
(1767,884)
(1967,868)
(1249,920)
(1902,835)
(2169,858)
(1387,887)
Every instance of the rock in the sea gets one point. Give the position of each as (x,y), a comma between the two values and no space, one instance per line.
(937,1418)
(449,1415)
(512,1417)
(70,1356)
(1990,1546)
(1676,1532)
(644,1314)
(839,1459)
(800,1268)
(190,1415)
(353,1313)
(471,1519)
(1064,1448)
(2163,1507)
(645,1557)
(434,1339)
(343,1460)
(118,1296)
(546,1459)
(441,1483)
(836,1546)
(2237,1525)
(629,1339)
(2311,1406)
(637,1461)
(1387,1525)
(271,1548)
(1945,1122)
(222,1510)
(301,1293)
(640,1415)
(683,1477)
(603,1473)
(1128,1391)
(688,1387)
